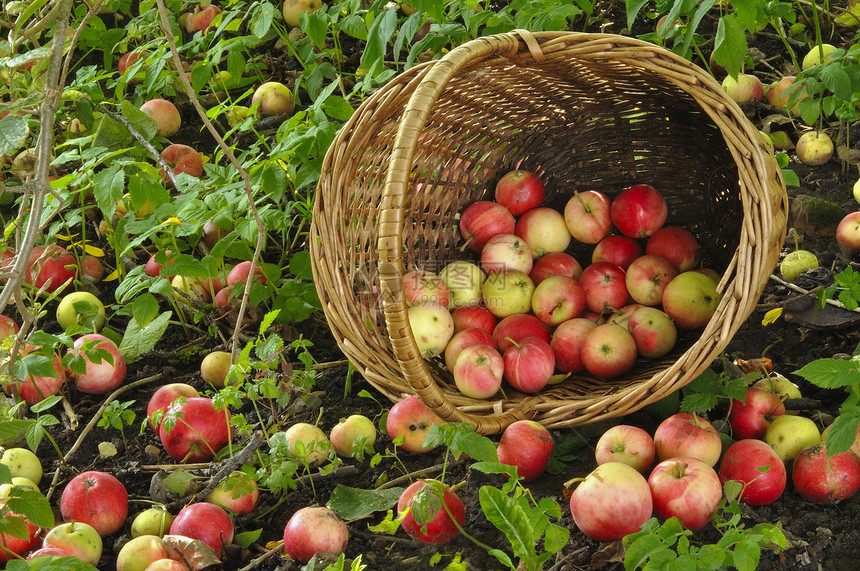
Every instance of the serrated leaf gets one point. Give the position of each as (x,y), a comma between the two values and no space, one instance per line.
(141,339)
(831,373)
(712,557)
(144,124)
(338,108)
(633,7)
(730,44)
(11,430)
(300,266)
(378,36)
(841,435)
(34,505)
(507,515)
(494,468)
(791,179)
(475,446)
(555,538)
(746,556)
(643,549)
(14,131)
(836,80)
(353,503)
(699,402)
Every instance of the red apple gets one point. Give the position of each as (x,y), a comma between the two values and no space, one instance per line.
(529,364)
(93,268)
(47,552)
(604,286)
(587,216)
(198,434)
(517,327)
(97,499)
(691,299)
(153,267)
(519,191)
(206,522)
(614,500)
(99,377)
(566,343)
(608,351)
(653,331)
(506,252)
(617,249)
(165,114)
(36,388)
(424,502)
(461,340)
(127,59)
(627,444)
(685,488)
(352,436)
(8,326)
(555,264)
(312,530)
(743,88)
(750,419)
(557,299)
(181,159)
(468,317)
(639,211)
(411,419)
(848,233)
(528,446)
(478,371)
(422,286)
(676,244)
(241,271)
(755,465)
(164,396)
(482,220)
(9,544)
(822,480)
(201,18)
(237,493)
(688,435)
(50,267)
(544,229)
(647,277)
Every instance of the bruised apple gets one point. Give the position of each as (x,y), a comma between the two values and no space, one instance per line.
(181,159)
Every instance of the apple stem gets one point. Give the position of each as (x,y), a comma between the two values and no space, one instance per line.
(515,344)
(585,207)
(466,243)
(573,481)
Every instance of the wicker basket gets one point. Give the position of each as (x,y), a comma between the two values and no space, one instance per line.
(584,111)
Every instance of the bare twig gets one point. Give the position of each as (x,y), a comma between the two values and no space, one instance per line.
(798,289)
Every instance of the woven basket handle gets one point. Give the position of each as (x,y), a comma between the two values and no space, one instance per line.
(390,240)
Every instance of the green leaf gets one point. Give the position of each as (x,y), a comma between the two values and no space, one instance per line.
(353,503)
(475,446)
(746,555)
(842,434)
(749,12)
(51,564)
(381,30)
(108,186)
(730,44)
(14,131)
(507,515)
(790,177)
(699,402)
(317,28)
(32,504)
(144,124)
(494,468)
(11,430)
(300,265)
(831,373)
(643,548)
(262,19)
(555,538)
(144,308)
(836,80)
(338,108)
(633,7)
(247,538)
(141,339)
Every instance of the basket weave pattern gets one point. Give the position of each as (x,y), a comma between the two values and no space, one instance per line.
(583,111)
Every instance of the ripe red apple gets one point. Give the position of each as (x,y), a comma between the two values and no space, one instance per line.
(164,396)
(506,252)
(753,463)
(241,271)
(478,370)
(411,419)
(424,502)
(517,327)
(313,530)
(614,500)
(555,264)
(199,434)
(206,522)
(469,317)
(653,331)
(274,99)
(848,233)
(691,299)
(181,159)
(102,377)
(627,444)
(587,216)
(95,498)
(557,299)
(688,435)
(508,292)
(463,339)
(750,419)
(50,266)
(519,191)
(544,229)
(604,286)
(76,538)
(528,446)
(165,114)
(647,277)
(529,364)
(482,220)
(617,249)
(822,480)
(8,326)
(127,59)
(778,92)
(36,388)
(423,286)
(201,18)
(9,544)
(46,552)
(238,493)
(608,351)
(639,211)
(153,268)
(676,244)
(685,488)
(92,268)
(566,343)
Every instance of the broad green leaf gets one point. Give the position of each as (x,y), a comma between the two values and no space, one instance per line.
(699,402)
(842,434)
(144,124)
(338,108)
(300,265)
(746,556)
(475,446)
(790,177)
(555,538)
(378,36)
(712,557)
(494,468)
(633,7)
(247,538)
(643,549)
(836,80)
(353,503)
(750,13)
(730,44)
(144,308)
(831,373)
(354,25)
(108,186)
(141,339)
(50,564)
(507,515)
(700,13)
(11,430)
(32,504)
(112,134)
(13,134)
(262,19)
(317,28)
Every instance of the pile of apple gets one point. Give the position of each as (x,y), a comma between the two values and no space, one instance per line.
(685,484)
(527,310)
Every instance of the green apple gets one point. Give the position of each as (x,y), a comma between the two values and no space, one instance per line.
(78,539)
(789,434)
(81,308)
(22,462)
(814,56)
(796,263)
(508,292)
(138,553)
(214,368)
(856,191)
(152,521)
(308,443)
(691,299)
(464,280)
(778,384)
(352,434)
(432,326)
(18,482)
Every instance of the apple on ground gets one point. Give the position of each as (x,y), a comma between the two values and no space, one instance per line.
(610,490)
(519,191)
(201,18)
(35,389)
(76,538)
(653,331)
(138,553)
(557,299)
(639,211)
(8,326)
(676,244)
(751,418)
(743,88)
(691,299)
(199,430)
(544,229)
(273,99)
(816,55)
(647,278)
(506,252)
(411,419)
(688,435)
(181,159)
(353,435)
(686,488)
(617,249)
(755,465)
(463,339)
(241,271)
(237,493)
(605,286)
(527,445)
(96,498)
(312,530)
(482,220)
(566,343)
(848,233)
(777,92)
(508,292)
(814,148)
(22,463)
(50,267)
(473,317)
(587,216)
(92,268)
(103,374)
(822,480)
(10,545)
(215,367)
(423,286)
(465,281)
(127,59)
(778,384)
(529,364)
(517,327)
(166,565)
(423,500)
(153,268)
(81,308)
(627,444)
(555,264)
(789,434)
(308,443)
(608,351)
(152,521)
(206,522)
(292,9)
(165,114)
(432,327)
(163,397)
